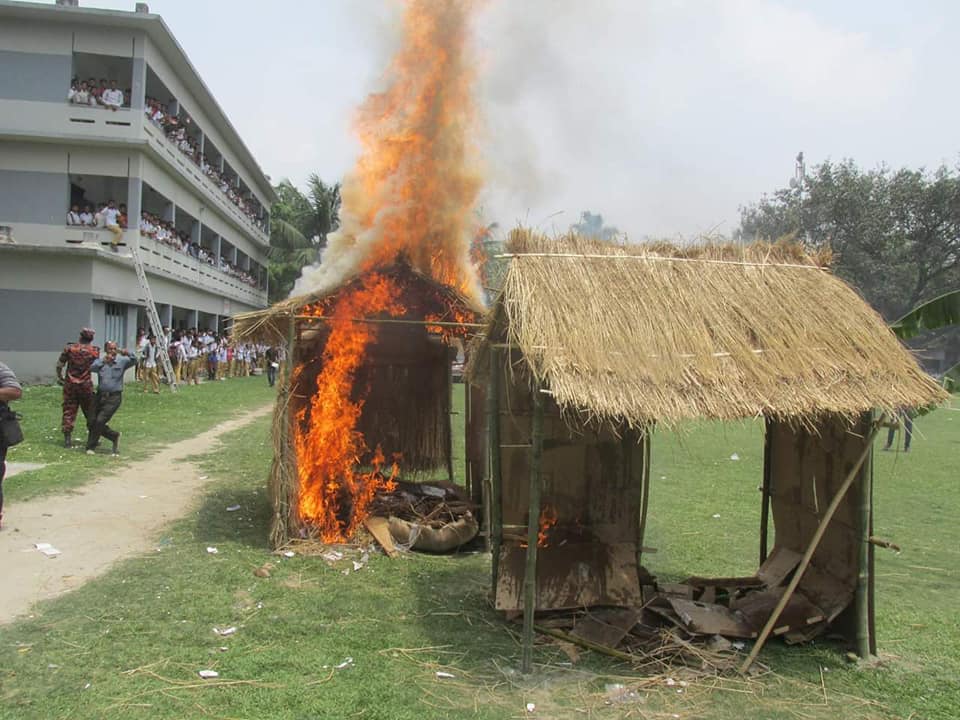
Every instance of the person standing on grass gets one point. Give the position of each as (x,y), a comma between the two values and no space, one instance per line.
(73,373)
(151,375)
(272,365)
(110,369)
(9,390)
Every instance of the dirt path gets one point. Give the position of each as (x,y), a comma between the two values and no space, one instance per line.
(112,518)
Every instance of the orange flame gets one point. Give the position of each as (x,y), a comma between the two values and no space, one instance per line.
(415,185)
(334,495)
(548,518)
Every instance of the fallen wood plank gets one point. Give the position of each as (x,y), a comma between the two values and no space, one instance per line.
(708,619)
(606,626)
(380,529)
(781,562)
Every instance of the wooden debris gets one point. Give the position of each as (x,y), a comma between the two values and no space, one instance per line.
(711,619)
(606,626)
(378,527)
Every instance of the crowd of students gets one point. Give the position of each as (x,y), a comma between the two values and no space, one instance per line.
(88,92)
(176,132)
(105,214)
(203,355)
(165,232)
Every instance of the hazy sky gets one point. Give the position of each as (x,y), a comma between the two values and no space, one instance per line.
(663,116)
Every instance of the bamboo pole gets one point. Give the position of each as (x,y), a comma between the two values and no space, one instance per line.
(765,489)
(644,496)
(862,600)
(494,509)
(533,528)
(392,321)
(811,548)
(287,458)
(449,448)
(659,258)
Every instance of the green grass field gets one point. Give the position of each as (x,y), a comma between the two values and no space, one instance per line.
(146,421)
(130,644)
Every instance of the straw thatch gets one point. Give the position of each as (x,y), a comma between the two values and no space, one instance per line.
(272,324)
(641,334)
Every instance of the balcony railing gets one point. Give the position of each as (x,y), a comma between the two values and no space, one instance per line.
(187,167)
(164,259)
(160,259)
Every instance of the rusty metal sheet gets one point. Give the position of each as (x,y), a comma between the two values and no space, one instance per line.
(711,619)
(606,626)
(573,575)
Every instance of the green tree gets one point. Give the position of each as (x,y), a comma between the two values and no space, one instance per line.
(895,234)
(299,226)
(591,226)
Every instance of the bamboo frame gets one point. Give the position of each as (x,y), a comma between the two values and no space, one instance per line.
(533,528)
(862,596)
(644,497)
(449,414)
(765,490)
(811,548)
(495,511)
(392,321)
(657,258)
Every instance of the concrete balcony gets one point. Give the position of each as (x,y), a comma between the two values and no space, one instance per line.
(164,260)
(187,168)
(60,121)
(158,259)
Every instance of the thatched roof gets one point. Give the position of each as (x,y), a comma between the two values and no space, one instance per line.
(642,334)
(271,324)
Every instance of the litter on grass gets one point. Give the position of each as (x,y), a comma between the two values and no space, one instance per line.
(348,662)
(208,674)
(224,632)
(212,550)
(47,549)
(233,508)
(444,675)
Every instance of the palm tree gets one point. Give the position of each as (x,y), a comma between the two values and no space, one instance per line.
(298,230)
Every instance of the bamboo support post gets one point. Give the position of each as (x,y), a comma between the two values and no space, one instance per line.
(533,528)
(393,321)
(644,496)
(862,599)
(494,509)
(449,448)
(811,548)
(765,490)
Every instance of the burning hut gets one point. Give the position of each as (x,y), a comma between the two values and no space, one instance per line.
(365,398)
(589,346)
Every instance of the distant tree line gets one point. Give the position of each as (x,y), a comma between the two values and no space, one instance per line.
(895,234)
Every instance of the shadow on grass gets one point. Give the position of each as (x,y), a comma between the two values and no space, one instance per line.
(248,525)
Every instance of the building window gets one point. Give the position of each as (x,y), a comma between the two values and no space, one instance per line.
(116,325)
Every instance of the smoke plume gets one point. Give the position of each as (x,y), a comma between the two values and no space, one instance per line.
(414,188)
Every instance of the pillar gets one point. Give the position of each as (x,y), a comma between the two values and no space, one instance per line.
(134,193)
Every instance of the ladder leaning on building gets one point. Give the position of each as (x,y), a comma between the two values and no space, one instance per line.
(153,316)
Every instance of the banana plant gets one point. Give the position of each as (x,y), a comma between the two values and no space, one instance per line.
(940,312)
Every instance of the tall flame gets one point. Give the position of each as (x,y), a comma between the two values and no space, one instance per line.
(334,495)
(415,185)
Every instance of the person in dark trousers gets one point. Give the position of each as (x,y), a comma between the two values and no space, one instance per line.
(110,370)
(9,390)
(906,422)
(73,373)
(272,365)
